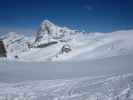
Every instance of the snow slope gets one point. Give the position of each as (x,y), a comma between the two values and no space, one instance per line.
(101,79)
(86,88)
(101,46)
(84,47)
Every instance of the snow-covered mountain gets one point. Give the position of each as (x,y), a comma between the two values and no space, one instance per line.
(49,31)
(95,46)
(55,43)
(15,43)
(84,47)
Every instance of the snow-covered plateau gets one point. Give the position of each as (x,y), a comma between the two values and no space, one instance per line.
(58,63)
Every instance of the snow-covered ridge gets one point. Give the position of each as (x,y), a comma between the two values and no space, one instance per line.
(15,42)
(87,88)
(55,43)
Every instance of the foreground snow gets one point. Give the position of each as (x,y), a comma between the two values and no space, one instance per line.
(87,88)
(30,81)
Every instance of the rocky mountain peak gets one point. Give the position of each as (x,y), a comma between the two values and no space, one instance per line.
(49,30)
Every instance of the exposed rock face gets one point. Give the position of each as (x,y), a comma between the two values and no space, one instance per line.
(66,48)
(2,49)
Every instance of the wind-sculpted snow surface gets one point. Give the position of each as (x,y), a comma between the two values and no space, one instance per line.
(86,88)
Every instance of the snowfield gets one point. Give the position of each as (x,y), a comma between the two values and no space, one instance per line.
(101,79)
(86,88)
(12,71)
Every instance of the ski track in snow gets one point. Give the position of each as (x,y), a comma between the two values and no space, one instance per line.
(87,88)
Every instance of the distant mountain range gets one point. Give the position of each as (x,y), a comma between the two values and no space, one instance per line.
(54,43)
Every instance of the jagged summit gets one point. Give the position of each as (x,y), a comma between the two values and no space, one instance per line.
(49,30)
(45,27)
(47,22)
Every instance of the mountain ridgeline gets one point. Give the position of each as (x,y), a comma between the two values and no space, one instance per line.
(54,43)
